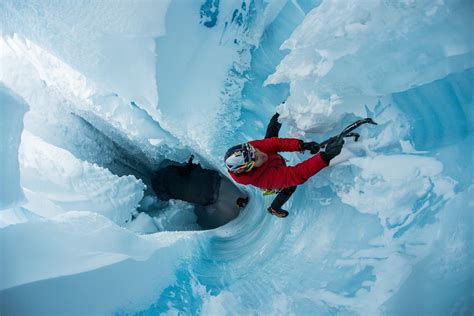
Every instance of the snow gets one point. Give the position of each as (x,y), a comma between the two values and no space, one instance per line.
(343,49)
(393,183)
(69,103)
(93,38)
(56,175)
(179,215)
(94,97)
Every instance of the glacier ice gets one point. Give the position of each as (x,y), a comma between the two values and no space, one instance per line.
(11,125)
(94,97)
(342,50)
(54,174)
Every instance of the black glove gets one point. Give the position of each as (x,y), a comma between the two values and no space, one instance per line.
(333,148)
(313,147)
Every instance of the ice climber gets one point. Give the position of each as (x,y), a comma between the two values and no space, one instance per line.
(258,163)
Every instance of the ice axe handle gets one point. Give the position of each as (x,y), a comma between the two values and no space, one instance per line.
(347,132)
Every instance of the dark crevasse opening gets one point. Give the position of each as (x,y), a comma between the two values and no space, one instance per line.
(178,195)
(215,198)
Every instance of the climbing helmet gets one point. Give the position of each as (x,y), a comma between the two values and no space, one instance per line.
(240,158)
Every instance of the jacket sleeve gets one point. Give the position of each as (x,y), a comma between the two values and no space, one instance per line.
(284,177)
(277,144)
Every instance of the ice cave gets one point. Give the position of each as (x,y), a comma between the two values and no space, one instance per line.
(95,96)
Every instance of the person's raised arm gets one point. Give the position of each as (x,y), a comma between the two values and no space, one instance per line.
(277,144)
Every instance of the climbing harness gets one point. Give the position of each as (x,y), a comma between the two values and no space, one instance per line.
(267,192)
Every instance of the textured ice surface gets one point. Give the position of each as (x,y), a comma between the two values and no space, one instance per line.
(53,174)
(12,109)
(94,38)
(113,90)
(342,50)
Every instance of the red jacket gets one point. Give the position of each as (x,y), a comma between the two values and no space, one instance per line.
(274,174)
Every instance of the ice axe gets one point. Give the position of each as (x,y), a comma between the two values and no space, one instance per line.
(347,132)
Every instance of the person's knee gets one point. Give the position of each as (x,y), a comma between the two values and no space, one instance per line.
(287,192)
(291,189)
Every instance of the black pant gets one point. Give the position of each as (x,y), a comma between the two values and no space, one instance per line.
(284,195)
(273,127)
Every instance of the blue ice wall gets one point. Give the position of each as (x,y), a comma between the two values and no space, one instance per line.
(442,121)
(327,254)
(440,113)
(385,230)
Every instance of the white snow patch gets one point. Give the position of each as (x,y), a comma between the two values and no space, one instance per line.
(55,175)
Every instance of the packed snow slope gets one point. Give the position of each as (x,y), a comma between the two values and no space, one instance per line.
(95,95)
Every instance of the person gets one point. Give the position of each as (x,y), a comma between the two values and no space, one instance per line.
(258,163)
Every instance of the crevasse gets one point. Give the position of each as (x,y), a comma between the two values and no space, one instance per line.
(94,96)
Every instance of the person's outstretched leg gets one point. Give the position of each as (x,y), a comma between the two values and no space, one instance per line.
(273,127)
(283,196)
(273,130)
